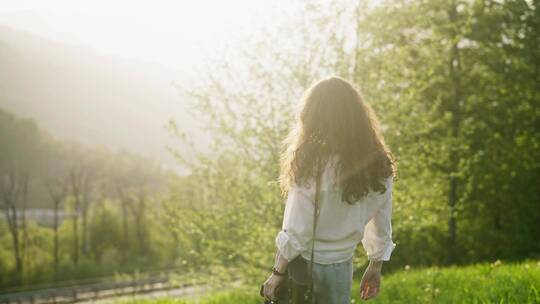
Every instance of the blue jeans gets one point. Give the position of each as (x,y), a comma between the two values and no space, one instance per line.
(332,283)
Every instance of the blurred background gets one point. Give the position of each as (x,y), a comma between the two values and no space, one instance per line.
(139,141)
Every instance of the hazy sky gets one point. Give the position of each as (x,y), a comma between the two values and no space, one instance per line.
(175,33)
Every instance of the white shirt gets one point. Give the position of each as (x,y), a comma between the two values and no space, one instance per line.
(340,225)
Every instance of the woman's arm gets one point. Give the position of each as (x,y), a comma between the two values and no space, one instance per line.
(279,273)
(371,280)
(379,245)
(281,263)
(297,228)
(377,240)
(296,232)
(375,265)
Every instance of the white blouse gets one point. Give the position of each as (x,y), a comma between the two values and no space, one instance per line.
(340,225)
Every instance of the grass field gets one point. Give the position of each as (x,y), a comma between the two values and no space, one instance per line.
(482,283)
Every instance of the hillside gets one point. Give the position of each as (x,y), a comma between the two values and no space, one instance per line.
(481,283)
(81,95)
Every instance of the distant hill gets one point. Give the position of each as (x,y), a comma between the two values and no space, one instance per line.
(80,95)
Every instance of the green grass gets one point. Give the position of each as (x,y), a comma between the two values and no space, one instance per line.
(481,283)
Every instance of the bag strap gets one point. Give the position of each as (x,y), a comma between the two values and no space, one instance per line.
(315,216)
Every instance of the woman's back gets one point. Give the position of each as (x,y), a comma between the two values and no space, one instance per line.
(340,225)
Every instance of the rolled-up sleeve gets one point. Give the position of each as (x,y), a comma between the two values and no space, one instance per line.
(377,240)
(295,235)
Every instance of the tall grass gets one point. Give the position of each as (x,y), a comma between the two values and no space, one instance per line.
(482,283)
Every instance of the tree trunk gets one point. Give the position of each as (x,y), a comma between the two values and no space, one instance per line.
(14,192)
(24,228)
(55,244)
(455,108)
(139,214)
(138,209)
(75,236)
(84,227)
(79,184)
(125,227)
(58,190)
(11,217)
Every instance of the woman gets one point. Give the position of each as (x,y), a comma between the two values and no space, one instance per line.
(337,129)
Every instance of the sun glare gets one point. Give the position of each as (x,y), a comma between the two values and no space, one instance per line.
(167,32)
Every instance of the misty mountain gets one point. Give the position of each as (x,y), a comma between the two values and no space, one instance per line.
(78,94)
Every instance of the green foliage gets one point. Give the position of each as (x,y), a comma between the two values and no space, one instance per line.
(447,81)
(445,84)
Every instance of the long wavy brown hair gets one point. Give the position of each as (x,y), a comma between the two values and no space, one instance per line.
(335,119)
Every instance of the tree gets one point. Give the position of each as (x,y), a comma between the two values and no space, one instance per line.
(58,190)
(80,181)
(13,191)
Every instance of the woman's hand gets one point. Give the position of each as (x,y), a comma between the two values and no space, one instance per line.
(371,281)
(270,286)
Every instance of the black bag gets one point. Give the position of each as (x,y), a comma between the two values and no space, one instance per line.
(298,287)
